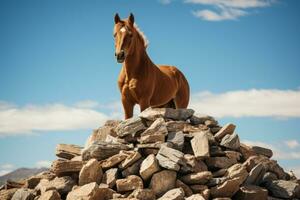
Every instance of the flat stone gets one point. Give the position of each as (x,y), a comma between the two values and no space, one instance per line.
(102,150)
(262,151)
(198,118)
(130,127)
(157,127)
(237,171)
(23,194)
(227,129)
(174,194)
(143,194)
(113,160)
(149,166)
(132,169)
(130,183)
(195,197)
(192,164)
(167,163)
(66,167)
(110,176)
(67,151)
(172,154)
(251,192)
(200,145)
(231,141)
(220,162)
(174,126)
(246,151)
(62,184)
(50,195)
(176,139)
(197,178)
(187,190)
(132,157)
(90,172)
(87,192)
(256,175)
(163,181)
(226,189)
(168,113)
(284,189)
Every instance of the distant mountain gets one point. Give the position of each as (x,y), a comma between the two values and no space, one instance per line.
(20,174)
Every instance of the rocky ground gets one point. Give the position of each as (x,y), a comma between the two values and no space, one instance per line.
(163,154)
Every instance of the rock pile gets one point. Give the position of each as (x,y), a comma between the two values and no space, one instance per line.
(165,154)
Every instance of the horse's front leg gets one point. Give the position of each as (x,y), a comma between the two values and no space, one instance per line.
(144,104)
(128,107)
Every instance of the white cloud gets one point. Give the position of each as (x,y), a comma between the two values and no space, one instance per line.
(4,171)
(296,171)
(43,163)
(87,104)
(248,103)
(220,10)
(53,117)
(292,143)
(6,168)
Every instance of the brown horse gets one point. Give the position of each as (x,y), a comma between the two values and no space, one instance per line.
(140,81)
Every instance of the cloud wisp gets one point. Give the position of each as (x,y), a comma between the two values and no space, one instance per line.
(248,103)
(6,168)
(220,10)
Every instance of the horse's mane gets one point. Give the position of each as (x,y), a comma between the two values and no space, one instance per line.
(143,36)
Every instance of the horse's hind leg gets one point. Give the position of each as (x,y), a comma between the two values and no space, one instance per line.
(183,95)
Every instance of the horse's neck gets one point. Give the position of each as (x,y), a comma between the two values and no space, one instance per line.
(137,63)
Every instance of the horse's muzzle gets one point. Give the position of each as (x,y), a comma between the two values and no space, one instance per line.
(120,56)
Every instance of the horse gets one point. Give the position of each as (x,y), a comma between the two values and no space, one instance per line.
(140,80)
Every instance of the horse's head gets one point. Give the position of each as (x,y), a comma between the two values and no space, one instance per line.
(123,34)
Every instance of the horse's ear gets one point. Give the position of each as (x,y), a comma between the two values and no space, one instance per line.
(131,19)
(117,18)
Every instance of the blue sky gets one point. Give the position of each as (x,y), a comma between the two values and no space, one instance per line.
(58,73)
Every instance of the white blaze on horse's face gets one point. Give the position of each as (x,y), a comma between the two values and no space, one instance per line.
(123,40)
(123,29)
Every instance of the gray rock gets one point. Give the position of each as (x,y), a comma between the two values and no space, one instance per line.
(168,113)
(177,139)
(110,176)
(284,189)
(102,150)
(23,194)
(67,151)
(231,141)
(192,165)
(130,127)
(167,163)
(251,192)
(197,119)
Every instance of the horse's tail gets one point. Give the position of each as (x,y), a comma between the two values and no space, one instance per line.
(182,97)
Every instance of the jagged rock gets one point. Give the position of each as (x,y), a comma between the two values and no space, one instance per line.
(50,195)
(268,177)
(256,175)
(66,167)
(226,189)
(130,127)
(174,194)
(62,184)
(174,126)
(237,171)
(233,154)
(110,177)
(102,150)
(86,192)
(7,194)
(187,190)
(284,189)
(262,151)
(195,197)
(220,162)
(132,169)
(23,194)
(246,151)
(231,141)
(169,158)
(163,181)
(132,157)
(142,194)
(177,139)
(251,192)
(197,119)
(197,178)
(68,151)
(200,145)
(130,183)
(113,160)
(192,165)
(149,166)
(105,193)
(90,172)
(227,129)
(157,127)
(152,138)
(168,113)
